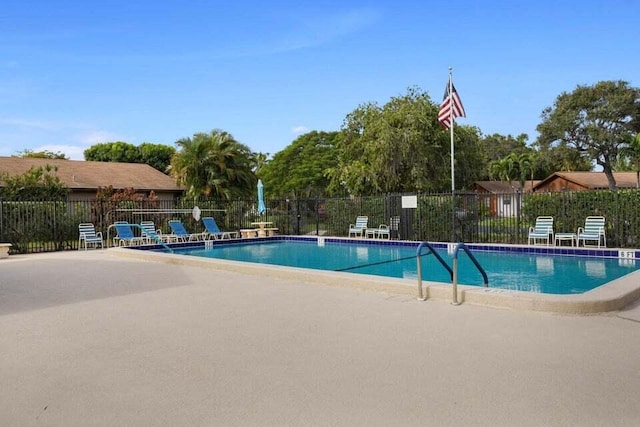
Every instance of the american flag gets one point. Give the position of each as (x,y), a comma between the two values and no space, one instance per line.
(446,115)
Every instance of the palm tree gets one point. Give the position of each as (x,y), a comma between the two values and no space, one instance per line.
(214,165)
(527,164)
(505,169)
(258,161)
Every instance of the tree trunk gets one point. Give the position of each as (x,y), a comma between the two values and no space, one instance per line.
(609,174)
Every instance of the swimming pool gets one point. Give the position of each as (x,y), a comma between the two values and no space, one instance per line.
(558,271)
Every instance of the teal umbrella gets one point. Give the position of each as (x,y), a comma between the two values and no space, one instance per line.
(261,207)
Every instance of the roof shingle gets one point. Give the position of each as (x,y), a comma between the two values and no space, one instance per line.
(594,180)
(504,186)
(92,175)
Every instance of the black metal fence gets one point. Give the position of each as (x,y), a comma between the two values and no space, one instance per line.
(41,226)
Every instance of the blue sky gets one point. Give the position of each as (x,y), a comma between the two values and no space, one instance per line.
(73,74)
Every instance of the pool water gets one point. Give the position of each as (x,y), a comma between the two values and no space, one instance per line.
(525,272)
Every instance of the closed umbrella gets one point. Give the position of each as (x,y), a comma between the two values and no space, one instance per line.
(261,207)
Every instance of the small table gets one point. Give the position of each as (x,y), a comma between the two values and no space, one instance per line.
(560,237)
(261,227)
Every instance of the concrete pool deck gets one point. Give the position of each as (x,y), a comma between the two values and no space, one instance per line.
(93,338)
(614,295)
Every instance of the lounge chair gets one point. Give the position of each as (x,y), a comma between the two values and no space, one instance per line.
(124,235)
(89,236)
(214,231)
(178,230)
(382,232)
(359,228)
(593,230)
(543,230)
(154,235)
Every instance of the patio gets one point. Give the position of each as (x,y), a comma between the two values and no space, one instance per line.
(90,338)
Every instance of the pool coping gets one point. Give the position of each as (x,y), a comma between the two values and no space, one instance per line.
(612,296)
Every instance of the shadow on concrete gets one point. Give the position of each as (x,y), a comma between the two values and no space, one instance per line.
(40,283)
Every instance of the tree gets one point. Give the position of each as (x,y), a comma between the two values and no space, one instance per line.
(503,152)
(42,154)
(593,120)
(527,163)
(258,161)
(515,167)
(300,170)
(470,163)
(157,156)
(214,165)
(36,183)
(505,169)
(559,158)
(631,152)
(401,147)
(112,152)
(498,146)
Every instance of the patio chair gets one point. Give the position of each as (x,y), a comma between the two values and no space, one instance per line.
(382,232)
(359,228)
(154,235)
(178,230)
(124,235)
(213,231)
(593,231)
(88,236)
(543,230)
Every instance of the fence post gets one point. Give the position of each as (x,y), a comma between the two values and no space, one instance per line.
(317,216)
(297,216)
(618,222)
(518,215)
(288,214)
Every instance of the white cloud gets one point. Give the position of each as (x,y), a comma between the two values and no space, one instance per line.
(37,135)
(75,151)
(85,140)
(300,129)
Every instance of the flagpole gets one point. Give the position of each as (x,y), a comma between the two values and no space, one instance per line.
(453,177)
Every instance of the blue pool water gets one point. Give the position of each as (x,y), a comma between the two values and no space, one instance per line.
(518,271)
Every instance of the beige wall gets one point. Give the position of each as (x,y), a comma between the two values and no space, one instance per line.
(89,195)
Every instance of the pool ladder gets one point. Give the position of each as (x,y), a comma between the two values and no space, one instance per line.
(453,272)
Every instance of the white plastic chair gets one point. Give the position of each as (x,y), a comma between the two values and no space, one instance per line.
(359,228)
(593,230)
(543,230)
(88,236)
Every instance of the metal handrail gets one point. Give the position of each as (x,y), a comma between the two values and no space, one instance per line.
(419,265)
(464,247)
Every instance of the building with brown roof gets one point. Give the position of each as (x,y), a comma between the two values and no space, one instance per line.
(503,186)
(84,178)
(580,181)
(498,196)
